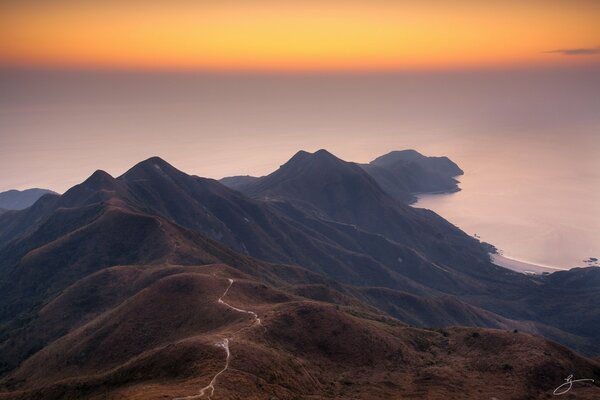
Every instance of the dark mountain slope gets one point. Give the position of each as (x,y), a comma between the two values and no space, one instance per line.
(322,182)
(292,228)
(138,218)
(333,189)
(437,311)
(200,204)
(35,270)
(273,232)
(99,188)
(16,223)
(284,233)
(402,174)
(260,230)
(93,226)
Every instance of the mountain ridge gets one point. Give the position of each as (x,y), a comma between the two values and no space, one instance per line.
(124,269)
(402,174)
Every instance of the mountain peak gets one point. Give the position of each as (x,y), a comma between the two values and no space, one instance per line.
(398,155)
(325,156)
(155,160)
(319,159)
(323,153)
(98,180)
(150,167)
(438,165)
(301,154)
(100,186)
(319,179)
(297,159)
(307,169)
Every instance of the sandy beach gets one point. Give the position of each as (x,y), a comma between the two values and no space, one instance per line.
(522,266)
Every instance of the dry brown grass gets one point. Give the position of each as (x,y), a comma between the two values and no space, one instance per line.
(156,339)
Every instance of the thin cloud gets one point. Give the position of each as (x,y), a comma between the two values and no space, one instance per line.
(582,51)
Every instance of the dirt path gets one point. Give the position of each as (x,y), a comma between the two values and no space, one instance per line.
(209,390)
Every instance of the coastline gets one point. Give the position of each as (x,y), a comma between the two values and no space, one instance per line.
(523,267)
(417,195)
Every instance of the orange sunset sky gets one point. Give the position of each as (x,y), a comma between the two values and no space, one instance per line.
(298,35)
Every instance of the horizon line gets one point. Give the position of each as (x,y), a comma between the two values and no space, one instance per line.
(299,71)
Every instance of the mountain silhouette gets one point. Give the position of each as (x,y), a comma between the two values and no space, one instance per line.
(21,199)
(407,172)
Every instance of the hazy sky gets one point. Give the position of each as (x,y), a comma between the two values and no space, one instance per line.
(99,84)
(298,34)
(57,127)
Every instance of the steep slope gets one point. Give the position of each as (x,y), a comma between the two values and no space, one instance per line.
(337,190)
(15,223)
(21,199)
(291,233)
(202,205)
(92,227)
(260,230)
(33,278)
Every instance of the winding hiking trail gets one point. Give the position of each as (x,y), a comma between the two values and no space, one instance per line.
(209,390)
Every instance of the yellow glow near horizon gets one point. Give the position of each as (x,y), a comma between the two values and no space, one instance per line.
(294,35)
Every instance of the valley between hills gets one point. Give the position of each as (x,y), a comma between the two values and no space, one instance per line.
(317,281)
